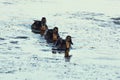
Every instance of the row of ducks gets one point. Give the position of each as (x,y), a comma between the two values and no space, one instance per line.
(52,36)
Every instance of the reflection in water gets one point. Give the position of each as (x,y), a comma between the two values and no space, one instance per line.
(67,59)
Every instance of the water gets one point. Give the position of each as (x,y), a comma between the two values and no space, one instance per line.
(95,34)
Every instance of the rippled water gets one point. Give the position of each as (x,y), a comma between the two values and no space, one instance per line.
(94,27)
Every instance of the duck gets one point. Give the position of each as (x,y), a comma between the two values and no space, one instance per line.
(63,45)
(39,26)
(52,35)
